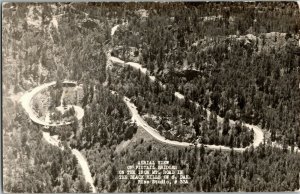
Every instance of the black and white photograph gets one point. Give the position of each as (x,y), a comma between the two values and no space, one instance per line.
(130,97)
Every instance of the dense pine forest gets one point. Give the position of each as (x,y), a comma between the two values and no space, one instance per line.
(240,66)
(239,61)
(179,120)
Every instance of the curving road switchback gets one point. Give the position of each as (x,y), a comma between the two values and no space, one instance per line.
(258,132)
(53,140)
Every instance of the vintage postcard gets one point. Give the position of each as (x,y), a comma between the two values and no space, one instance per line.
(104,97)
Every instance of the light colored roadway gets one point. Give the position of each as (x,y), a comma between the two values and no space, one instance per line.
(53,140)
(26,103)
(258,132)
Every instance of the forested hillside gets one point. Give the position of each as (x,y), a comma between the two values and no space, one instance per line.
(263,169)
(241,60)
(30,163)
(238,61)
(41,43)
(179,120)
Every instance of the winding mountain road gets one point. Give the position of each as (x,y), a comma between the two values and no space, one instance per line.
(154,133)
(26,103)
(258,132)
(53,140)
